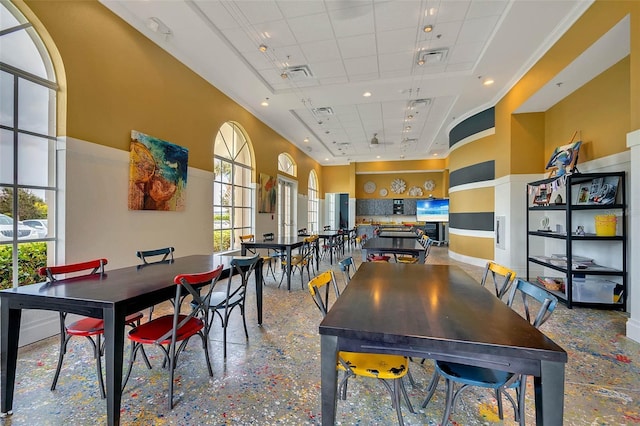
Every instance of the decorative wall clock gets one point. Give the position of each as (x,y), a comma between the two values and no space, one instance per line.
(429,185)
(369,187)
(415,191)
(398,186)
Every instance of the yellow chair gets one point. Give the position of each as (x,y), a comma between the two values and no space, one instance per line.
(501,276)
(383,367)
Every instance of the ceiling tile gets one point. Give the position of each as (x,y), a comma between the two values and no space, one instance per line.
(358,46)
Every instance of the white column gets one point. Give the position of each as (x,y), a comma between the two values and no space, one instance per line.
(633,279)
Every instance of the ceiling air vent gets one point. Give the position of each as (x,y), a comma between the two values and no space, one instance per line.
(298,72)
(322,112)
(434,56)
(419,103)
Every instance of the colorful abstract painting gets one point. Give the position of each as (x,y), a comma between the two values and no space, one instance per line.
(157,174)
(267,194)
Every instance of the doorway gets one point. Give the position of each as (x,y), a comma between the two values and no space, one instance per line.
(287,190)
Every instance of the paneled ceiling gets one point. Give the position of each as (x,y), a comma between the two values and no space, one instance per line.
(425,63)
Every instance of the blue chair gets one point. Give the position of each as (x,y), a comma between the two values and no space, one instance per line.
(499,381)
(347,266)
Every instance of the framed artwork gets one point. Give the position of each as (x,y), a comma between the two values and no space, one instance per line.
(564,159)
(603,191)
(267,194)
(157,174)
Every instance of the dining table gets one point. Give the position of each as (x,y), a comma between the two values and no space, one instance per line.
(283,245)
(112,296)
(442,313)
(398,234)
(395,245)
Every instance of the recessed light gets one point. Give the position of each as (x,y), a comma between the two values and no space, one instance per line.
(326,159)
(407,128)
(262,48)
(377,156)
(366,94)
(306,140)
(435,154)
(488,82)
(427,28)
(265,103)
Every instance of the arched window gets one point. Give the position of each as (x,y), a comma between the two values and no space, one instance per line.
(232,189)
(27,150)
(287,165)
(312,193)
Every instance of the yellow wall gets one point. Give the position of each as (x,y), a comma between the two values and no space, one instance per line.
(592,25)
(480,248)
(599,110)
(411,179)
(339,179)
(118,81)
(477,151)
(476,200)
(527,134)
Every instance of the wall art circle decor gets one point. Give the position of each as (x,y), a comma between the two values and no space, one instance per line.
(369,187)
(383,192)
(429,185)
(415,191)
(398,186)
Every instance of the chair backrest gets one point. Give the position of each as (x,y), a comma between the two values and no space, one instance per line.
(157,255)
(501,276)
(95,266)
(269,236)
(427,247)
(302,231)
(190,284)
(246,238)
(547,302)
(317,283)
(326,228)
(346,265)
(244,266)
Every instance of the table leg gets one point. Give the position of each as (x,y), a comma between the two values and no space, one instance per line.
(114,346)
(329,378)
(421,257)
(243,250)
(364,254)
(288,267)
(317,243)
(259,268)
(10,333)
(549,393)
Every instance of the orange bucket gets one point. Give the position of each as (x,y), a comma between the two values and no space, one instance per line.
(606,225)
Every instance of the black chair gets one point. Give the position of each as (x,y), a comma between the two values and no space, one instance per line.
(300,261)
(498,380)
(149,257)
(222,303)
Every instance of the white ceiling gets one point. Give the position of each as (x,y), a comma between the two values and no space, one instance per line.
(355,46)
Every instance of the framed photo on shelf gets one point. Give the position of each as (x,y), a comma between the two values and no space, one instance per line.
(542,195)
(583,193)
(603,191)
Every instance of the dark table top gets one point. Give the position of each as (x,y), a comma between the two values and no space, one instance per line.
(435,310)
(120,285)
(392,243)
(398,234)
(293,241)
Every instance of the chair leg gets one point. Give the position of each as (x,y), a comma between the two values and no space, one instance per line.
(132,357)
(449,403)
(205,346)
(433,384)
(396,400)
(98,354)
(64,339)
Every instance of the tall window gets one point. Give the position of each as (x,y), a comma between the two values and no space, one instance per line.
(312,193)
(232,190)
(27,150)
(287,165)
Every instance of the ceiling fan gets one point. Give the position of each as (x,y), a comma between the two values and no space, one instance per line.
(375,142)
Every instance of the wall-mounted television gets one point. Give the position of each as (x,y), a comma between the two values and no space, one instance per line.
(433,210)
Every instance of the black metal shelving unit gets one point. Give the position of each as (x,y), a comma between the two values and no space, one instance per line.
(569,207)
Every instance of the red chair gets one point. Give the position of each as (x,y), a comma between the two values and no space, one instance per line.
(165,332)
(84,327)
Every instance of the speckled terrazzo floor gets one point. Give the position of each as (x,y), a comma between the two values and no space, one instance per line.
(274,378)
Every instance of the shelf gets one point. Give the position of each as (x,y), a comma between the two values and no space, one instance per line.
(586,237)
(573,267)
